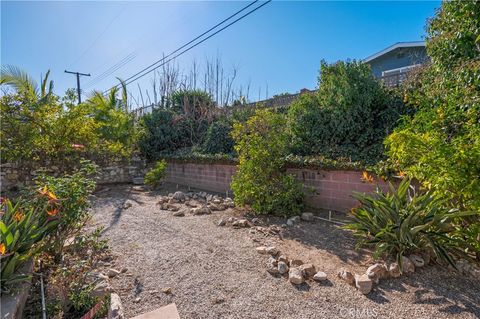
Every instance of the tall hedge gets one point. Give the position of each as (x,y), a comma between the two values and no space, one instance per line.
(349,116)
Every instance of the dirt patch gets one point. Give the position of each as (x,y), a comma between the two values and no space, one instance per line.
(215,272)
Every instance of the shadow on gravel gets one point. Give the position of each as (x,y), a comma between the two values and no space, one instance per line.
(322,235)
(435,286)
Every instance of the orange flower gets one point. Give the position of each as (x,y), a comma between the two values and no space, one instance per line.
(52,212)
(18,216)
(51,196)
(45,192)
(3,249)
(401,174)
(367,177)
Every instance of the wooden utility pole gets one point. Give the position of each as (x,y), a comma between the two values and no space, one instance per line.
(78,83)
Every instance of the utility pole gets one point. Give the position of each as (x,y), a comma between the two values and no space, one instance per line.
(78,83)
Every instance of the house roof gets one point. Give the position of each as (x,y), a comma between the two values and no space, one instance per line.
(393,47)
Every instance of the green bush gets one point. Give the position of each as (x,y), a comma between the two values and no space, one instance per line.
(402,222)
(68,196)
(261,180)
(218,139)
(440,144)
(348,117)
(37,125)
(155,175)
(164,131)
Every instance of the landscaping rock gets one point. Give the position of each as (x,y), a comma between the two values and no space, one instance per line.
(272,266)
(363,283)
(417,260)
(256,221)
(394,270)
(180,196)
(241,223)
(180,213)
(308,217)
(115,310)
(377,272)
(172,207)
(127,204)
(295,276)
(101,289)
(346,276)
(272,250)
(204,210)
(282,267)
(191,204)
(320,276)
(112,273)
(222,222)
(295,262)
(308,269)
(231,220)
(283,258)
(216,201)
(213,207)
(407,265)
(167,290)
(261,250)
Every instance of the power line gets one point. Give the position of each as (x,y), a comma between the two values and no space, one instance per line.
(138,75)
(118,65)
(98,37)
(112,69)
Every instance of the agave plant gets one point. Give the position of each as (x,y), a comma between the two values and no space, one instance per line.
(20,233)
(403,221)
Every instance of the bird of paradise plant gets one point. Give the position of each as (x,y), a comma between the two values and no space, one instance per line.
(21,233)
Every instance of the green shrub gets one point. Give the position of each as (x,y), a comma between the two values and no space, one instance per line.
(164,131)
(218,139)
(348,117)
(37,125)
(69,198)
(440,144)
(261,180)
(155,175)
(402,222)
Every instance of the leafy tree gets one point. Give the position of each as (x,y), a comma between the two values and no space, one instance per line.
(440,144)
(348,117)
(261,180)
(115,123)
(38,125)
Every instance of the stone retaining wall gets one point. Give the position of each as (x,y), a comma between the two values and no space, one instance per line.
(332,190)
(116,171)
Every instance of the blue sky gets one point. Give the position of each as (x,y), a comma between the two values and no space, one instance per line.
(279,46)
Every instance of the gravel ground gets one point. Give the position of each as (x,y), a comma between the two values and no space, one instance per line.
(215,272)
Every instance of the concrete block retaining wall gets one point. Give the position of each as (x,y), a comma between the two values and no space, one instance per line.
(332,190)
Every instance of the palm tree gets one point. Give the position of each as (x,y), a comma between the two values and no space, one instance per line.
(24,84)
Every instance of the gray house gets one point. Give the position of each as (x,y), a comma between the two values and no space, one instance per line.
(393,63)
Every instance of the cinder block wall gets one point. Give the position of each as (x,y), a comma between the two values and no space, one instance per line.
(331,190)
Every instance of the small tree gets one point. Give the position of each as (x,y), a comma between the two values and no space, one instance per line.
(261,180)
